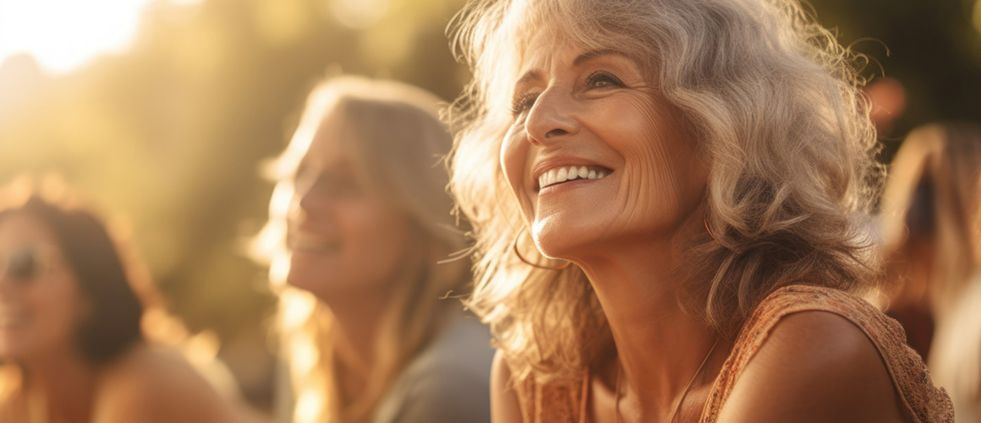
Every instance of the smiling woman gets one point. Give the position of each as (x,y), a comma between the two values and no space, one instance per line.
(72,344)
(359,236)
(63,34)
(674,229)
(646,145)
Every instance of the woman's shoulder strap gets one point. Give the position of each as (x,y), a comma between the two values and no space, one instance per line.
(922,401)
(556,402)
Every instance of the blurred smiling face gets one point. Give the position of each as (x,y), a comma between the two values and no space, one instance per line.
(39,296)
(343,236)
(594,155)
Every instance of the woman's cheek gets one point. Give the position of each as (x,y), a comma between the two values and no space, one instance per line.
(515,165)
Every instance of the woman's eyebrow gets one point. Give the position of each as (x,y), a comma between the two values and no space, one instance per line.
(527,78)
(592,54)
(534,75)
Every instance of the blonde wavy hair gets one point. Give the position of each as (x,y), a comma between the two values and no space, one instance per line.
(774,103)
(397,137)
(932,197)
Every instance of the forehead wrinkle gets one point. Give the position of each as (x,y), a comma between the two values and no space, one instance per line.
(554,40)
(597,53)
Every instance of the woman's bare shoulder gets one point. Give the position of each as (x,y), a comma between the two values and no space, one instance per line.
(814,366)
(156,382)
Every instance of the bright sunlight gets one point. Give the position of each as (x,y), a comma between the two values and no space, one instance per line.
(62,35)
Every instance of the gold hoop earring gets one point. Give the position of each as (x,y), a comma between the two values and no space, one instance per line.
(514,246)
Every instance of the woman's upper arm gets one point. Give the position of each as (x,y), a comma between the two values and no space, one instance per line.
(504,398)
(814,367)
(160,389)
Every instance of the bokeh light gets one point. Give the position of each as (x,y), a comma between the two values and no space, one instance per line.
(169,132)
(359,14)
(977,16)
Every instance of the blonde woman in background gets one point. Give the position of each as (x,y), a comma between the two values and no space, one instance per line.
(931,228)
(360,231)
(670,204)
(77,323)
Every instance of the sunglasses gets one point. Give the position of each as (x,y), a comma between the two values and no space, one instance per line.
(25,264)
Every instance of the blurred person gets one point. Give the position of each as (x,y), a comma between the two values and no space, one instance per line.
(931,230)
(71,344)
(360,231)
(670,200)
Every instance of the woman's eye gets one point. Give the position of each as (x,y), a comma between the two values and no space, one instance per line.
(339,186)
(328,184)
(603,80)
(523,103)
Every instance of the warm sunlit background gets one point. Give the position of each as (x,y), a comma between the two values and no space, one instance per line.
(161,111)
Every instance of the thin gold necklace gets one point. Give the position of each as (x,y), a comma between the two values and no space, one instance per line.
(684,394)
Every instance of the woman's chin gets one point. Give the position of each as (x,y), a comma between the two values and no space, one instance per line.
(561,245)
(308,281)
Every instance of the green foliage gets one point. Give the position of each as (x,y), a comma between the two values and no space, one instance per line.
(170,135)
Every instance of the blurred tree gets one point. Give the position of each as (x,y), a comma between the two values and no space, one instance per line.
(933,48)
(170,135)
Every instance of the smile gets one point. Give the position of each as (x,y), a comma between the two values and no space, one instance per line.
(570,173)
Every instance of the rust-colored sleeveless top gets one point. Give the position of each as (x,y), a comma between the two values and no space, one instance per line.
(925,403)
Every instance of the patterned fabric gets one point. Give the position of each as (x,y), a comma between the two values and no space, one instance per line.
(925,403)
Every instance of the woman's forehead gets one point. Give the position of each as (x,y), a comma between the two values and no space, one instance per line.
(328,150)
(21,227)
(572,38)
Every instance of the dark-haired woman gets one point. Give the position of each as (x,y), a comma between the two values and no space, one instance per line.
(71,344)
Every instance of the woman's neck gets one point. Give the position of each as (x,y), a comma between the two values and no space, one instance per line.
(64,383)
(358,321)
(659,346)
(357,324)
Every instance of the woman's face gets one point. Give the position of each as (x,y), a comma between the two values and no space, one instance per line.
(40,302)
(594,116)
(343,236)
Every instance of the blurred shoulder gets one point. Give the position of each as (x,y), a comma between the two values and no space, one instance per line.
(448,381)
(463,345)
(955,358)
(151,380)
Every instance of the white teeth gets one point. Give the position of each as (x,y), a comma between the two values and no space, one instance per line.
(569,173)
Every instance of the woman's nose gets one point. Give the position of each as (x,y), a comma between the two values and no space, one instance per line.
(552,117)
(311,197)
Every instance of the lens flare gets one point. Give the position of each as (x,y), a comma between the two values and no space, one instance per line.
(359,14)
(62,35)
